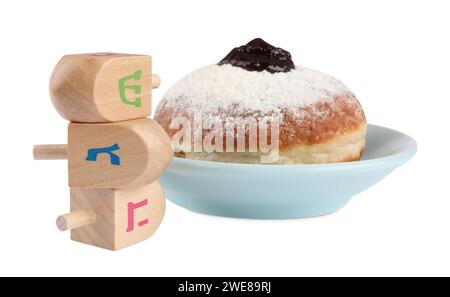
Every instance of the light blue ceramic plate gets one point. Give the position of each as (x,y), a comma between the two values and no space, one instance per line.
(284,191)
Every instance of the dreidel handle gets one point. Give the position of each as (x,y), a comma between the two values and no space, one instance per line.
(50,152)
(156,81)
(76,219)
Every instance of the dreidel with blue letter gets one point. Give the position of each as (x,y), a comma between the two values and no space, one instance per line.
(112,155)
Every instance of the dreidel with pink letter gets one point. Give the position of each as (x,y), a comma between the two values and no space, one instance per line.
(115,154)
(114,218)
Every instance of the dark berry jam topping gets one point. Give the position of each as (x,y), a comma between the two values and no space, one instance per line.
(258,55)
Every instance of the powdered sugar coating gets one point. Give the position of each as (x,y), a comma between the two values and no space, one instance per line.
(213,88)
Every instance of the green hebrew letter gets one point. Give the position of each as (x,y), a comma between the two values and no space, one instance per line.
(136,88)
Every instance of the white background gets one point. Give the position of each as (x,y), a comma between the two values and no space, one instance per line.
(393,54)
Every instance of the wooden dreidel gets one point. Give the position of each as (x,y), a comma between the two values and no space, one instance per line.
(114,218)
(103,87)
(112,155)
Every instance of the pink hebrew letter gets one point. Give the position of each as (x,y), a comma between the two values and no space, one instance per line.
(131,208)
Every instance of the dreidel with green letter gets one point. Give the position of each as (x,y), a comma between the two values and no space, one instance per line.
(104,87)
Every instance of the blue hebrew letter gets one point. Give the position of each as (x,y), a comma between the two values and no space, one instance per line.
(93,153)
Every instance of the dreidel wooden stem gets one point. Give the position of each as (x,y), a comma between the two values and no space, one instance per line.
(76,219)
(156,81)
(50,152)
